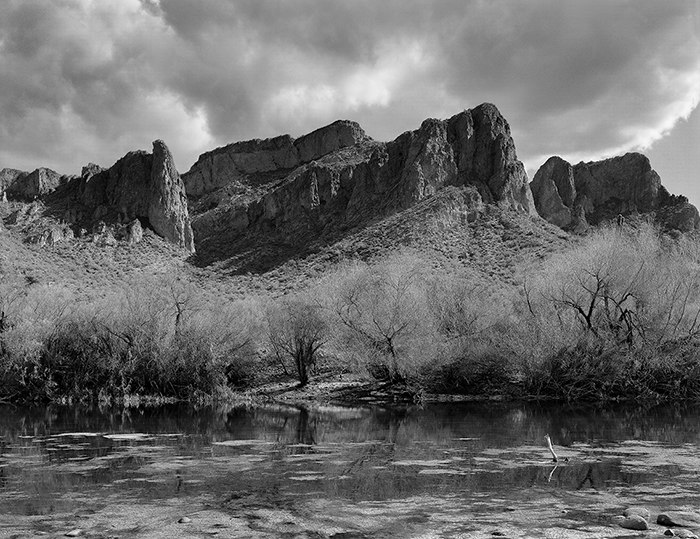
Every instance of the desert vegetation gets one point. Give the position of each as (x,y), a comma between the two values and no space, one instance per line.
(615,316)
(152,337)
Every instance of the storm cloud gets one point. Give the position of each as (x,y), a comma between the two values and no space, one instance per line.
(89,80)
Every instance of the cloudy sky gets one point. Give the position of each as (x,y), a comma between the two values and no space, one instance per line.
(89,80)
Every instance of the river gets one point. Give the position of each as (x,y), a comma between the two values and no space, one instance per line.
(455,470)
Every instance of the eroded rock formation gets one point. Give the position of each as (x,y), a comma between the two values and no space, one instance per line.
(337,176)
(167,202)
(7,178)
(140,186)
(238,161)
(28,186)
(554,192)
(573,197)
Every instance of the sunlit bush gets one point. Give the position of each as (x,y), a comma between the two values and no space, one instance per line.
(381,314)
(144,339)
(612,314)
(620,286)
(617,315)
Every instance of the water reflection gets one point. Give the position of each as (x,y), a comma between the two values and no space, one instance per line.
(272,454)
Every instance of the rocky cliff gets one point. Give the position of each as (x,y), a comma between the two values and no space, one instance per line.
(28,186)
(139,186)
(240,161)
(295,196)
(573,197)
(337,177)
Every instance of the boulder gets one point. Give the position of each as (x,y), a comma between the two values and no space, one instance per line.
(105,238)
(632,522)
(638,511)
(134,232)
(685,519)
(682,533)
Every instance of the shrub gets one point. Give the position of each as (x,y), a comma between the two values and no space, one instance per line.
(620,286)
(381,312)
(297,329)
(134,341)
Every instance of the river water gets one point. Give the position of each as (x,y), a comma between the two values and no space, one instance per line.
(64,464)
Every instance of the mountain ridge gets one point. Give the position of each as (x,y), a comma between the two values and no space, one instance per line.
(255,207)
(350,181)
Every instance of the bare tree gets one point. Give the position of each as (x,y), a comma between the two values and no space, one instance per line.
(623,286)
(182,295)
(384,308)
(297,329)
(606,300)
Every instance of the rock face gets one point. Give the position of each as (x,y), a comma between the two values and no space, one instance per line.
(140,186)
(589,193)
(7,178)
(27,186)
(167,202)
(554,192)
(337,176)
(238,161)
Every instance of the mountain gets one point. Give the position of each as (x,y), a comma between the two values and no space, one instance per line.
(574,197)
(140,186)
(320,187)
(270,214)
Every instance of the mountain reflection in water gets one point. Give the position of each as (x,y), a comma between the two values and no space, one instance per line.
(266,454)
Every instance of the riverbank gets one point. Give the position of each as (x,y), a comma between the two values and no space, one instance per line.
(616,317)
(545,515)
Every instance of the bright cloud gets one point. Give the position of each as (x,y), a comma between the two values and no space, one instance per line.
(361,86)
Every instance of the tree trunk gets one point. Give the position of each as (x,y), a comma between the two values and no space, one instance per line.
(300,360)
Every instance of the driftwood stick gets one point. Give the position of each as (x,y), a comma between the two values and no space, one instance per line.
(551,449)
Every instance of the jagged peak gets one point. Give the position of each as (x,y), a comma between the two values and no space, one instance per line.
(488,108)
(333,126)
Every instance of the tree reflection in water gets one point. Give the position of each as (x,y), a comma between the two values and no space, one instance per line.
(279,452)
